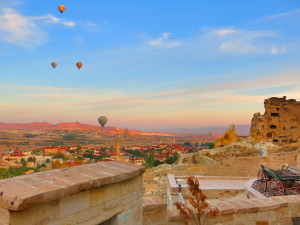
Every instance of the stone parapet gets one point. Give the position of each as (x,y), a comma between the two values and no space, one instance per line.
(83,195)
(273,210)
(22,192)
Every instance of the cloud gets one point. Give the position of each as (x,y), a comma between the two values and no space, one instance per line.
(163,41)
(276,50)
(225,31)
(20,30)
(238,97)
(208,95)
(280,15)
(23,30)
(52,19)
(243,41)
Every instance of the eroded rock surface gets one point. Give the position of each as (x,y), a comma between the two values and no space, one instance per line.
(228,138)
(280,123)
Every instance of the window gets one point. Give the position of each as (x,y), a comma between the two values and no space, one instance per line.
(273,126)
(274,114)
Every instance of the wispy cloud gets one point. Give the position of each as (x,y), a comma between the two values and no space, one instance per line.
(23,30)
(70,103)
(20,30)
(276,50)
(280,15)
(163,41)
(243,41)
(52,19)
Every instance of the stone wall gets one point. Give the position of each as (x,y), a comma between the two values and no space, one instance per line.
(280,123)
(267,211)
(83,195)
(249,166)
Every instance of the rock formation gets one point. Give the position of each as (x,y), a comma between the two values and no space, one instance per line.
(228,137)
(280,123)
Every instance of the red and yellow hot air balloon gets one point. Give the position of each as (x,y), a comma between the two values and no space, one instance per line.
(79,65)
(61,8)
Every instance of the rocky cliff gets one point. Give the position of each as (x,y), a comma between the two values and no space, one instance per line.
(280,123)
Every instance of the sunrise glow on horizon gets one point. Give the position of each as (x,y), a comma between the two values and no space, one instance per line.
(147,65)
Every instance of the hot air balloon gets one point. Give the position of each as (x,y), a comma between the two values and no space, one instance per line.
(53,64)
(102,120)
(79,65)
(61,8)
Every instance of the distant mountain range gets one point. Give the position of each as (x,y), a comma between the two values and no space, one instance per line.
(242,130)
(73,126)
(213,131)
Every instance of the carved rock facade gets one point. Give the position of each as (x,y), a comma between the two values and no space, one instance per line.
(280,123)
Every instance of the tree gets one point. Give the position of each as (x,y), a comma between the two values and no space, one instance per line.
(47,160)
(31,159)
(24,163)
(89,155)
(99,157)
(210,145)
(196,144)
(78,149)
(157,162)
(56,164)
(172,159)
(150,160)
(199,210)
(187,143)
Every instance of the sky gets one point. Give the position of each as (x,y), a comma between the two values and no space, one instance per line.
(147,64)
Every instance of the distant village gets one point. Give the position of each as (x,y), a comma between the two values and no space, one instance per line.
(53,157)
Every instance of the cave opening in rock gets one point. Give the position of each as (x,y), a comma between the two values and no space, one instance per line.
(273,126)
(274,114)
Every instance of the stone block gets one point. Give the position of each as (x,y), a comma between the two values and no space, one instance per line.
(291,200)
(74,203)
(269,204)
(280,200)
(261,216)
(40,214)
(224,207)
(250,205)
(105,193)
(154,216)
(128,198)
(111,204)
(238,206)
(4,216)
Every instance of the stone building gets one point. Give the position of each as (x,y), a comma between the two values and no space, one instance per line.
(280,122)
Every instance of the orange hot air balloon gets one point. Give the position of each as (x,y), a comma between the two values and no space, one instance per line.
(54,64)
(61,8)
(79,65)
